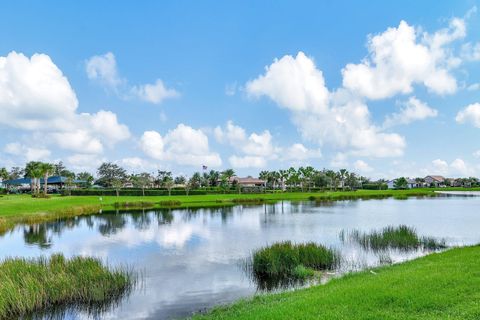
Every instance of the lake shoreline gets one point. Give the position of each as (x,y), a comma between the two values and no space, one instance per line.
(416,289)
(23,209)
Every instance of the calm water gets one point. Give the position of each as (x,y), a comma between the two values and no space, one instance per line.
(191,259)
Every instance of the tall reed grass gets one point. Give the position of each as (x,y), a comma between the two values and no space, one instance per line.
(287,260)
(401,237)
(31,285)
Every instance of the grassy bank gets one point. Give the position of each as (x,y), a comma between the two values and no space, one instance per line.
(438,286)
(31,285)
(16,209)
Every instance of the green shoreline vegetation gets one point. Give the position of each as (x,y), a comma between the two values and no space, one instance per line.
(23,209)
(438,286)
(31,285)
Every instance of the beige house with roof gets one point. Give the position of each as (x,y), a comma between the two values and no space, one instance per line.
(436,181)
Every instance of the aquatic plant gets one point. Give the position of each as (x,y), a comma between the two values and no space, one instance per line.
(169,203)
(401,237)
(133,205)
(248,200)
(31,285)
(287,260)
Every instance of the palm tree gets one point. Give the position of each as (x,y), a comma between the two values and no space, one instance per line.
(169,184)
(33,171)
(265,176)
(332,177)
(46,170)
(213,177)
(283,177)
(275,177)
(229,174)
(342,174)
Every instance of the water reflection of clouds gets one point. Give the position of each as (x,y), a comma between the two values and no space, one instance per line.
(191,258)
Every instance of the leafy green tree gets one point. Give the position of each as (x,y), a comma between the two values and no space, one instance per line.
(142,180)
(117,184)
(87,177)
(189,185)
(3,174)
(400,183)
(109,173)
(320,179)
(180,180)
(162,177)
(196,180)
(58,168)
(169,184)
(16,173)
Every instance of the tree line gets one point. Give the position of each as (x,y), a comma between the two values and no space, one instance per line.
(112,175)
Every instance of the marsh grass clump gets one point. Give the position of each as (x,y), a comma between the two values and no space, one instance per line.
(170,203)
(287,260)
(133,205)
(401,237)
(31,285)
(248,200)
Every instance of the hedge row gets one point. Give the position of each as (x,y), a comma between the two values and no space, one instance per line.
(375,186)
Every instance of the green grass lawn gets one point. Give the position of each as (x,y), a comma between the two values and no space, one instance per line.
(438,286)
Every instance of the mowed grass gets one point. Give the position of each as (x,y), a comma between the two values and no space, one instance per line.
(29,285)
(439,286)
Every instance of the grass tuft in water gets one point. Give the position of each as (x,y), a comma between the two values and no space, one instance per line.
(133,205)
(32,285)
(248,200)
(287,260)
(401,237)
(169,203)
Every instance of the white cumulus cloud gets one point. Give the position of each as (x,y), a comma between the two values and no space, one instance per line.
(37,97)
(34,93)
(292,82)
(339,119)
(412,110)
(103,68)
(182,145)
(26,152)
(362,166)
(470,115)
(401,57)
(257,149)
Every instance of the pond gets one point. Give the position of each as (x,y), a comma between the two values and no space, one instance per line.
(191,260)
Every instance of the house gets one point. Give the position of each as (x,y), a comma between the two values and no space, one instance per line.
(248,181)
(411,183)
(435,181)
(391,184)
(54,182)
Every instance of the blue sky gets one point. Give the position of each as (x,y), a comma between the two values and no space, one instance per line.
(244,84)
